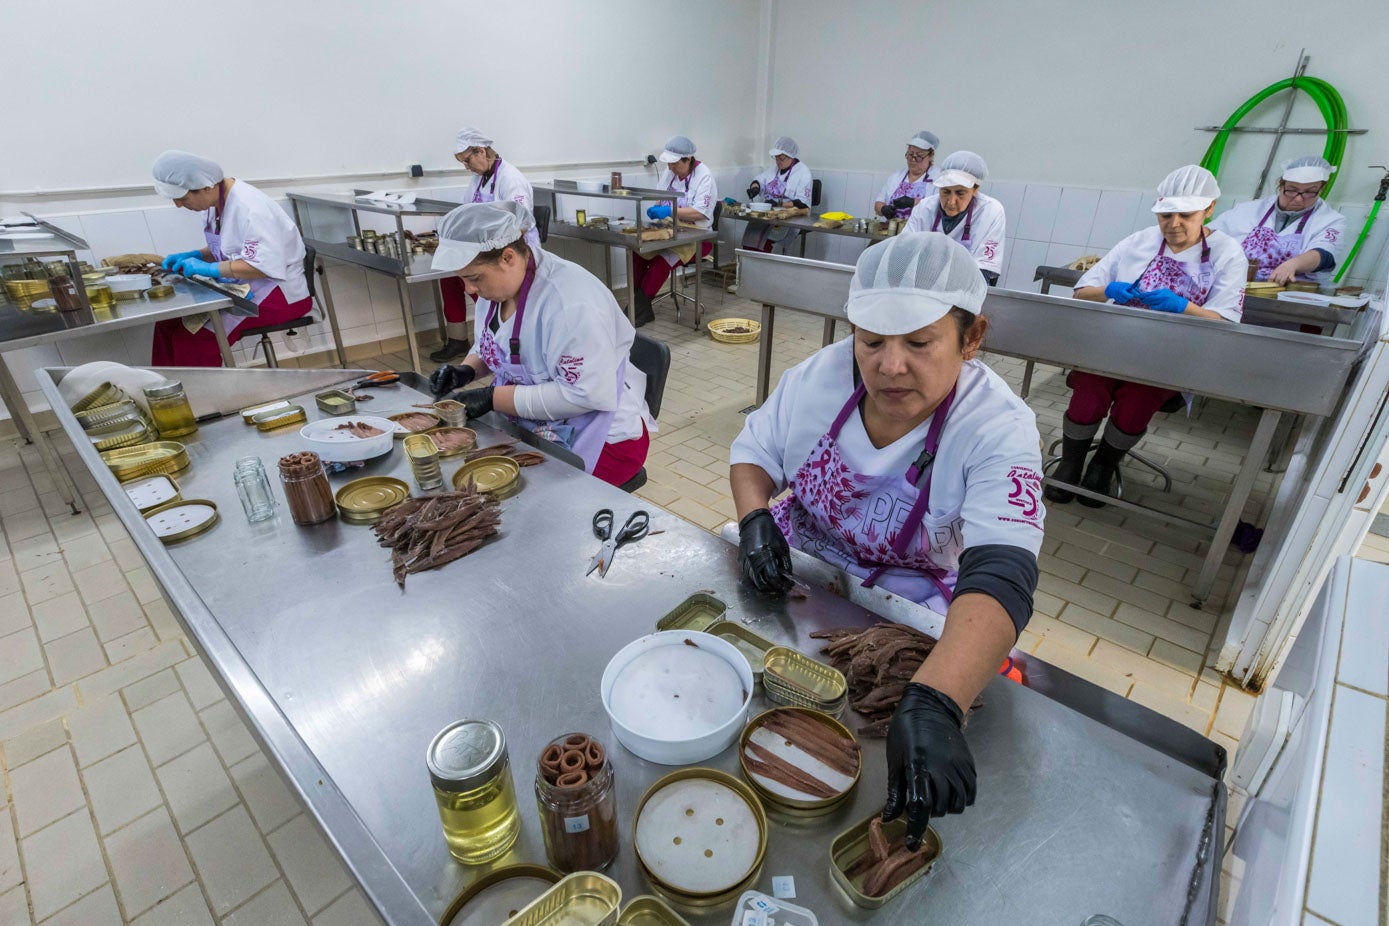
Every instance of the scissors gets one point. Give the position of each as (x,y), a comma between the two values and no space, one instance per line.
(633,530)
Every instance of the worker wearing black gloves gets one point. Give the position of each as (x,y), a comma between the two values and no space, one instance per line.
(911,184)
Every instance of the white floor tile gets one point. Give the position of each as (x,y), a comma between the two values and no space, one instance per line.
(231,859)
(121,789)
(148,861)
(196,787)
(45,790)
(273,907)
(313,868)
(62,862)
(187,907)
(168,728)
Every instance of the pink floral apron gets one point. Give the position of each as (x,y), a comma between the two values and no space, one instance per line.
(584,434)
(969,220)
(916,189)
(1270,249)
(1165,273)
(873,526)
(776,187)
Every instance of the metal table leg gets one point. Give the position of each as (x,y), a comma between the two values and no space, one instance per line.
(439,311)
(1026,379)
(828,338)
(19,410)
(699,283)
(407,308)
(1234,505)
(219,328)
(631,286)
(764,354)
(332,314)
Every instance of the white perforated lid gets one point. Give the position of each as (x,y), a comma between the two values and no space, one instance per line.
(698,836)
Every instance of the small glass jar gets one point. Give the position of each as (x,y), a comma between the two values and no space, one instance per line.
(173,416)
(306,488)
(577,801)
(64,292)
(471,774)
(253,488)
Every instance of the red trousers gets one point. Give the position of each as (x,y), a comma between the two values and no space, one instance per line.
(620,461)
(652,272)
(455,300)
(174,347)
(1130,406)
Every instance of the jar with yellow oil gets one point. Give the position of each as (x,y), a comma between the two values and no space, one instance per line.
(173,416)
(471,773)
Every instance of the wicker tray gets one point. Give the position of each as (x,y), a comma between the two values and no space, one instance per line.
(719,330)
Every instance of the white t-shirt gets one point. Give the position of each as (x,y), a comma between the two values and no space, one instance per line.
(919,188)
(1128,260)
(794,184)
(1326,228)
(256,230)
(507,183)
(697,191)
(987,229)
(573,333)
(987,474)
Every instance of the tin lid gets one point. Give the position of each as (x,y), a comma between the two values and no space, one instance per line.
(181,519)
(367,498)
(701,832)
(279,418)
(466,755)
(488,474)
(164,390)
(151,492)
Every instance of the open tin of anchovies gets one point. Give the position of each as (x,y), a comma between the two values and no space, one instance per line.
(650,910)
(851,846)
(793,678)
(750,643)
(779,797)
(697,612)
(499,895)
(584,898)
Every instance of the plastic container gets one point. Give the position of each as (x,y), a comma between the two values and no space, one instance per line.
(168,404)
(781,912)
(471,773)
(306,488)
(330,441)
(578,810)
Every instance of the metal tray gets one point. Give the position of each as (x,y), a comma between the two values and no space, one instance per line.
(649,910)
(698,612)
(491,894)
(791,806)
(849,846)
(584,898)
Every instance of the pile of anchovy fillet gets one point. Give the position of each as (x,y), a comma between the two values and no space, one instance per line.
(432,530)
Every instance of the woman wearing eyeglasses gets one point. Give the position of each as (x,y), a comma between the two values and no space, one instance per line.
(911,184)
(1294,234)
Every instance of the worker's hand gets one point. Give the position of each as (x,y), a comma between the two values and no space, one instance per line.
(764,553)
(197,267)
(930,771)
(476,402)
(889,211)
(1164,300)
(753,189)
(659,211)
(904,203)
(730,201)
(173,259)
(1284,273)
(448,378)
(1120,293)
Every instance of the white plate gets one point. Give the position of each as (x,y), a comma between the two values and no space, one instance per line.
(698,836)
(339,446)
(150,493)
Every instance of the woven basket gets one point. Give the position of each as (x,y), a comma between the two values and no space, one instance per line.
(719,330)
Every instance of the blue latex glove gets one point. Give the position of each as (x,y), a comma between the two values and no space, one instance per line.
(659,211)
(1121,292)
(173,259)
(1164,300)
(197,267)
(730,201)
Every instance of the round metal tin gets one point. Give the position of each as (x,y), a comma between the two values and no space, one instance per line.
(401,431)
(700,836)
(179,520)
(149,493)
(465,438)
(499,895)
(489,474)
(811,807)
(364,500)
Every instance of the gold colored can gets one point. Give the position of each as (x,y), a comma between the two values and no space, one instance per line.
(851,845)
(650,910)
(698,612)
(497,475)
(792,673)
(181,519)
(419,422)
(159,291)
(789,806)
(105,394)
(163,457)
(365,500)
(336,402)
(750,643)
(134,433)
(424,460)
(581,216)
(248,415)
(584,897)
(280,418)
(500,894)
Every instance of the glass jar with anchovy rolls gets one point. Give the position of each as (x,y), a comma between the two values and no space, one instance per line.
(577,800)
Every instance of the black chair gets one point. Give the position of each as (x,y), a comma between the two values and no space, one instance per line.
(815,192)
(265,345)
(652,357)
(542,222)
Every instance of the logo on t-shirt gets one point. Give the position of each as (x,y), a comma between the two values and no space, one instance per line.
(990,249)
(1025,495)
(569,368)
(1331,234)
(249,247)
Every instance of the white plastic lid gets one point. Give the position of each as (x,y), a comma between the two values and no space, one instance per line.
(698,836)
(676,693)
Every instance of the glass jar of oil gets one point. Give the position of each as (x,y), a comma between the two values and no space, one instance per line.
(469,768)
(173,416)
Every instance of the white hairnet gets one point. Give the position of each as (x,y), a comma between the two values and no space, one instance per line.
(913,280)
(177,172)
(470,137)
(476,227)
(785,145)
(962,168)
(925,139)
(1309,169)
(1187,189)
(677,147)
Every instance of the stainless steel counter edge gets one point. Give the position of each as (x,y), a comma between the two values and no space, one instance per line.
(376,875)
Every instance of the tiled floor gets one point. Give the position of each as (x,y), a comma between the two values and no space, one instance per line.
(136,795)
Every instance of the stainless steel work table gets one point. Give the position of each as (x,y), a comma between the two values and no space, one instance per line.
(1087,802)
(1241,363)
(20,328)
(806,224)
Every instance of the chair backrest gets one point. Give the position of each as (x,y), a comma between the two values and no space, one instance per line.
(542,222)
(718,214)
(652,357)
(310,260)
(815,192)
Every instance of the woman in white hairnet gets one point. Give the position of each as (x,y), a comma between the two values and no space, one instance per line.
(960,210)
(552,337)
(249,240)
(1293,234)
(911,184)
(1177,266)
(685,174)
(787,184)
(913,466)
(495,180)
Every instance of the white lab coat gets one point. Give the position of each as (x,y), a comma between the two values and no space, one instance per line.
(797,184)
(697,191)
(1128,260)
(987,230)
(507,184)
(574,333)
(920,188)
(258,231)
(1326,228)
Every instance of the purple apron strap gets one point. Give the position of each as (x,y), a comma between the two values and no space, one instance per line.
(847,410)
(969,219)
(515,344)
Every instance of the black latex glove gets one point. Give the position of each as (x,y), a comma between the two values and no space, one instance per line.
(904,203)
(477,402)
(753,191)
(764,553)
(798,204)
(889,211)
(930,771)
(448,378)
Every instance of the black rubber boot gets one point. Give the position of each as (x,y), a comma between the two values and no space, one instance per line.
(1072,463)
(451,348)
(1099,475)
(645,314)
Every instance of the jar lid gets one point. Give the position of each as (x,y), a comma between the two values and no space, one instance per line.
(170,387)
(466,755)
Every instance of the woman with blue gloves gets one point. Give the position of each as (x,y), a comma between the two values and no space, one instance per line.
(1178,266)
(249,240)
(687,175)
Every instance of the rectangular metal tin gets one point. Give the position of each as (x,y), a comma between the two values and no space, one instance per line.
(850,845)
(584,898)
(697,612)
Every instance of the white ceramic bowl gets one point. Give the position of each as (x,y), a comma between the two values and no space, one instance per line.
(589,186)
(126,282)
(759,207)
(677,696)
(337,446)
